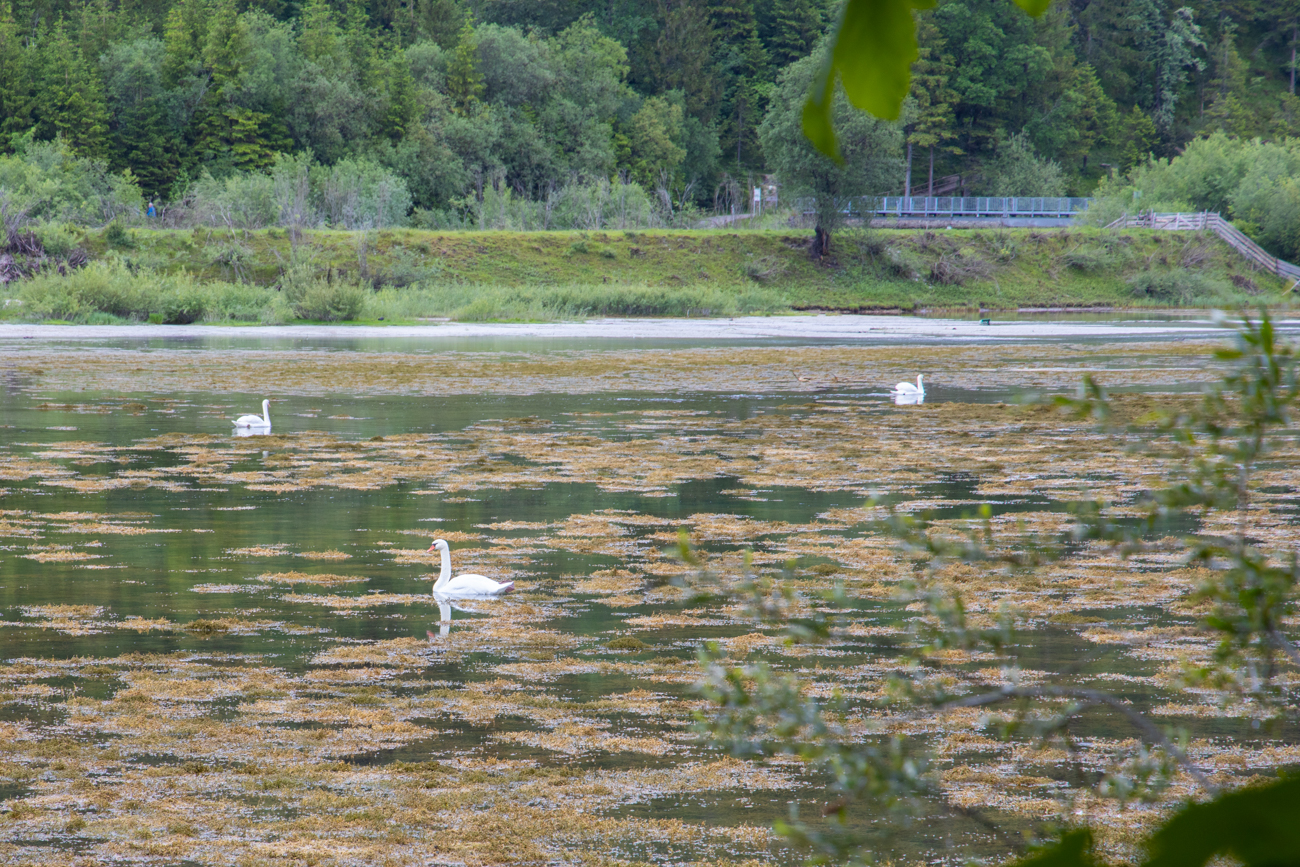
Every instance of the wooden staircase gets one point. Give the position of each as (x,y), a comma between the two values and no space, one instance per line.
(1219,226)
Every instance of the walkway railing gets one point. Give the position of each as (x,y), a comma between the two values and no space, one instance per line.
(990,207)
(1215,223)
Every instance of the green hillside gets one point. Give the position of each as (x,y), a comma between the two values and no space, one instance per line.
(405,274)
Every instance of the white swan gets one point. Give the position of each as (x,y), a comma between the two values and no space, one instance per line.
(463,585)
(263,420)
(908,388)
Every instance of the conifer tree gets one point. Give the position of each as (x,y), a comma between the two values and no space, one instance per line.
(71,102)
(931,125)
(16,79)
(793,30)
(438,20)
(401,106)
(220,56)
(1226,92)
(745,64)
(1137,138)
(1089,115)
(736,28)
(144,143)
(682,57)
(151,14)
(184,37)
(321,35)
(98,26)
(224,47)
(362,47)
(464,81)
(246,139)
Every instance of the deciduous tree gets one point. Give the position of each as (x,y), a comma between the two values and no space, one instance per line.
(870,149)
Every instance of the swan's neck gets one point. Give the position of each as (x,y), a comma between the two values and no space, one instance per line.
(266,412)
(445,575)
(919,386)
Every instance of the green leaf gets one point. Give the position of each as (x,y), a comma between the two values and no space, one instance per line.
(1256,826)
(817,123)
(1074,850)
(872,54)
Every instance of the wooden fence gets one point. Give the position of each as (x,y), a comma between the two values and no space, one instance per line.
(1215,223)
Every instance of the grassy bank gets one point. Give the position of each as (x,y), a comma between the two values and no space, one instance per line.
(402,275)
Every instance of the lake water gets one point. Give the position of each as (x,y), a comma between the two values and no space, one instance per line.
(219,647)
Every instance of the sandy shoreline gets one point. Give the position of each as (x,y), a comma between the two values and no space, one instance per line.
(846,328)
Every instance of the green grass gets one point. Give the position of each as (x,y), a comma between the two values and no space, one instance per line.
(216,275)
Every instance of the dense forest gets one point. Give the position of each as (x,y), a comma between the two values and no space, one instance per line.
(438,102)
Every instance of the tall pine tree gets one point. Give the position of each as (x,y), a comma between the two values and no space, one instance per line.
(931,122)
(184,36)
(16,79)
(791,29)
(745,69)
(71,102)
(464,81)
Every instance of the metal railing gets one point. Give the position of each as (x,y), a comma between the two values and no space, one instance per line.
(990,207)
(1214,222)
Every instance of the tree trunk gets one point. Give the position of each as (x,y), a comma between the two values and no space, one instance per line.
(821,245)
(1294,28)
(907,179)
(930,191)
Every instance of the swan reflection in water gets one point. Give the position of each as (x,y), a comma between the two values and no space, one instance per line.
(251,431)
(905,399)
(444,615)
(445,605)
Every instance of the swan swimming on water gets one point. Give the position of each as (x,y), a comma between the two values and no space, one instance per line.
(263,420)
(465,585)
(908,388)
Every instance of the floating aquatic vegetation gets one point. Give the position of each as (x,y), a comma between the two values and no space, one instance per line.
(325,555)
(228,588)
(260,550)
(357,603)
(527,731)
(68,619)
(609,581)
(61,556)
(323,579)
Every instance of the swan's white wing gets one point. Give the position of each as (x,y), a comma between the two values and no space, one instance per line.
(251,421)
(474,585)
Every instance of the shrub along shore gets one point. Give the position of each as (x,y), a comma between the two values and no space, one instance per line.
(403,275)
